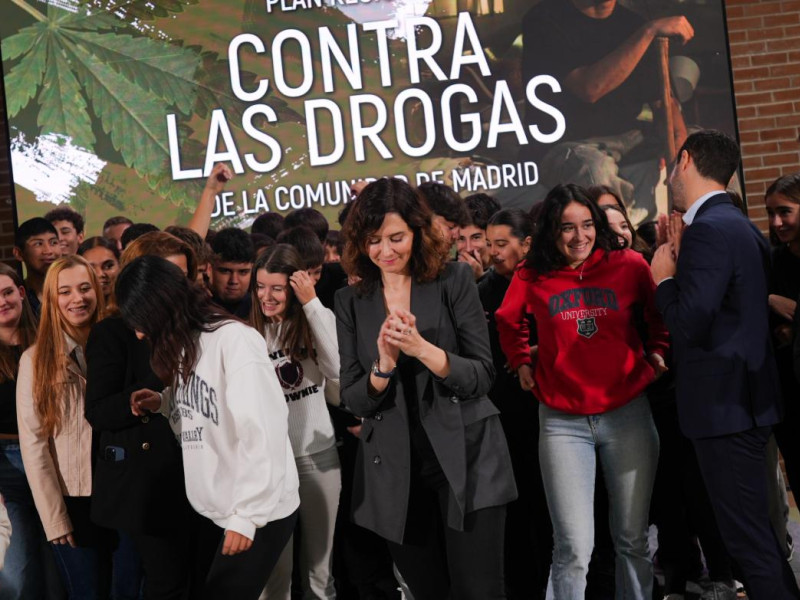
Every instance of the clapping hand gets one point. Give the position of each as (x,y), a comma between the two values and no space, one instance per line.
(663,265)
(401,333)
(675,232)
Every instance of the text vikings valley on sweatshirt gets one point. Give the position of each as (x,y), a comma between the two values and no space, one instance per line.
(590,322)
(231,419)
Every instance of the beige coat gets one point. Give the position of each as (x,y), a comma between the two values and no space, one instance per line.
(59,465)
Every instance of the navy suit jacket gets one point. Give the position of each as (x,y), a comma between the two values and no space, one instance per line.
(716,310)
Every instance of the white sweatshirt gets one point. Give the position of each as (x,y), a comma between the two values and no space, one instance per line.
(231,420)
(307,384)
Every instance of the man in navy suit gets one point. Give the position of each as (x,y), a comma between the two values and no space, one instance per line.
(714,302)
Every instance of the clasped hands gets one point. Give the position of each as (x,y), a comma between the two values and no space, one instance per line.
(669,231)
(399,334)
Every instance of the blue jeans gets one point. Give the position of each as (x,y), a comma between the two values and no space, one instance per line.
(626,442)
(86,570)
(28,560)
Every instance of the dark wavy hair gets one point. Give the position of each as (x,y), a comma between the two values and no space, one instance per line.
(98,241)
(157,299)
(516,219)
(307,244)
(65,213)
(445,202)
(379,198)
(544,256)
(480,208)
(295,336)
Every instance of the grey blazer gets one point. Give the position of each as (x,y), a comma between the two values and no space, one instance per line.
(460,421)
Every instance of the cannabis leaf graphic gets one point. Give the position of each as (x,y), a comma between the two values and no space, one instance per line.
(103,62)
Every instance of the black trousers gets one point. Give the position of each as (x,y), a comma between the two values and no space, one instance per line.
(681,509)
(734,469)
(244,575)
(167,564)
(438,562)
(528,531)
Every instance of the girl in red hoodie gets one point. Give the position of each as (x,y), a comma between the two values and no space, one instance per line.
(589,375)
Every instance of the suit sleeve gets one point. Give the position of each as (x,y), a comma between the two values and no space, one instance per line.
(512,324)
(107,398)
(657,334)
(355,393)
(690,302)
(471,370)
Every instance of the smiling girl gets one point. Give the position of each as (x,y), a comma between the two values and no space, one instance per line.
(301,339)
(590,375)
(103,256)
(22,575)
(55,438)
(783,210)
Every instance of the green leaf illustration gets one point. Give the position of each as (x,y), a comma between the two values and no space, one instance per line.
(108,64)
(134,118)
(22,41)
(166,70)
(63,107)
(23,81)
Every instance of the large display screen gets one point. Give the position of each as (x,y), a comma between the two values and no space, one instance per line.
(125,107)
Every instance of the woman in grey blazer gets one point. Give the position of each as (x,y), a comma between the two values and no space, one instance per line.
(433,472)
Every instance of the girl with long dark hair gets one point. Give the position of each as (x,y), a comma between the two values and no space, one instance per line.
(529,535)
(227,407)
(590,374)
(138,471)
(782,201)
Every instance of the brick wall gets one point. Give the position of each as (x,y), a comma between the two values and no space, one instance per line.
(6,208)
(765,53)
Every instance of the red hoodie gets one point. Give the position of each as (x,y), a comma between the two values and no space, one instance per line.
(591,355)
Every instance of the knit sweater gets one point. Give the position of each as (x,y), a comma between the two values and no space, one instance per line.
(591,356)
(307,384)
(231,420)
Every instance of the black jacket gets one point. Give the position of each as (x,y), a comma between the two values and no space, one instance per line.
(138,481)
(460,421)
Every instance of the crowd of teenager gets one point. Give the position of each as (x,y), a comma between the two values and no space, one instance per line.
(443,399)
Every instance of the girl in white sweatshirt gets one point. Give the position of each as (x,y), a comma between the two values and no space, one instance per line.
(227,409)
(301,339)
